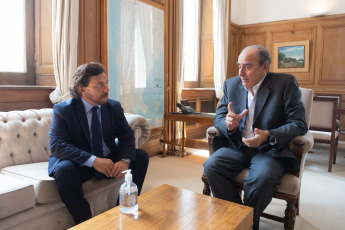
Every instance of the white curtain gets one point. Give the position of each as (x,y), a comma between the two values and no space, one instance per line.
(65,14)
(180,51)
(220,39)
(146,22)
(180,63)
(127,38)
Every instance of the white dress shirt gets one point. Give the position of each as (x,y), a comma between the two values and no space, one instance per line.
(248,131)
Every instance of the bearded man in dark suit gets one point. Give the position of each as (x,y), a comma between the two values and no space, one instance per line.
(75,156)
(259,114)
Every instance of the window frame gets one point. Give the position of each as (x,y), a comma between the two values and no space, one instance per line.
(200,82)
(28,78)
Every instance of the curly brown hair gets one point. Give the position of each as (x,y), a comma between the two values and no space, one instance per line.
(81,77)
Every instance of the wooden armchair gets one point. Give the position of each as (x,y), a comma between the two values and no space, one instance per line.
(289,189)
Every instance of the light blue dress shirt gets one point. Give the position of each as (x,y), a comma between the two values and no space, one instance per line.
(106,150)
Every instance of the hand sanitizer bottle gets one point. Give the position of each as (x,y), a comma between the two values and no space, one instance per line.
(128,195)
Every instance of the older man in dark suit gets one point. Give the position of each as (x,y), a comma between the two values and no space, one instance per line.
(259,114)
(82,140)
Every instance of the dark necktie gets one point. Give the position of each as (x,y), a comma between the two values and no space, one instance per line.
(97,146)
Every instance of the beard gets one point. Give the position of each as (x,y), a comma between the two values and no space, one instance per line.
(97,100)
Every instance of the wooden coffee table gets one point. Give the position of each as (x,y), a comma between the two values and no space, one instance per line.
(169,207)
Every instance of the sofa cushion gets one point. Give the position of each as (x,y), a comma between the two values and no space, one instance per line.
(37,175)
(15,196)
(45,187)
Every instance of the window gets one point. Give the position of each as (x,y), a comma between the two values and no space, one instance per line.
(17,42)
(191,39)
(198,43)
(139,59)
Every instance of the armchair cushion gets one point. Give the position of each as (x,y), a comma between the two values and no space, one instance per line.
(321,135)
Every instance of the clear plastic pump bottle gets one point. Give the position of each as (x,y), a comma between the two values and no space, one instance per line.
(128,195)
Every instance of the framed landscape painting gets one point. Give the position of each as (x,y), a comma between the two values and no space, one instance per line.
(291,57)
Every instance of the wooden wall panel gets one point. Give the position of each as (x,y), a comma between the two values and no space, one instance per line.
(24,97)
(301,35)
(333,67)
(43,43)
(89,39)
(326,36)
(199,96)
(208,16)
(207,61)
(233,51)
(254,38)
(207,51)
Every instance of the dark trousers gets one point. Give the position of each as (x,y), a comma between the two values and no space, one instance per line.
(259,186)
(70,176)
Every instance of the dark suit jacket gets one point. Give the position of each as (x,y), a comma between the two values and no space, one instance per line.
(278,109)
(70,137)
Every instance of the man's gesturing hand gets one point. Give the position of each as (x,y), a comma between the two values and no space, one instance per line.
(232,119)
(260,136)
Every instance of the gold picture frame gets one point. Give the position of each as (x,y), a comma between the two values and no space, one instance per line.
(291,57)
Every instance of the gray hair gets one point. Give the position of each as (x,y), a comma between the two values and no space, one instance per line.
(264,55)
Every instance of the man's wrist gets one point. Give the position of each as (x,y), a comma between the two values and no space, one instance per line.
(231,131)
(271,138)
(128,161)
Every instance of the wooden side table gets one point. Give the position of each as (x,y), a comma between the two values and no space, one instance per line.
(203,118)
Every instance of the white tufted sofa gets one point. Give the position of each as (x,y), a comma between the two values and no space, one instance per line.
(28,196)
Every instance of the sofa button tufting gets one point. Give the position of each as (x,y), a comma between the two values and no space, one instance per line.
(29,151)
(18,135)
(11,154)
(34,134)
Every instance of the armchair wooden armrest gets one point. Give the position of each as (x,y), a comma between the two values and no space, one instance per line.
(300,146)
(211,132)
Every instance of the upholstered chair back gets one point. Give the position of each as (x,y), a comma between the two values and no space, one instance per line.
(24,136)
(307,99)
(324,112)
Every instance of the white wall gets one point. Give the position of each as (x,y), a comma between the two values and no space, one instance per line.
(244,12)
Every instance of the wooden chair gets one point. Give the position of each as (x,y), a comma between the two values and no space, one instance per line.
(289,189)
(324,125)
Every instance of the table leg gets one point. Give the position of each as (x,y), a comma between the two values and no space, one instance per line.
(184,128)
(165,135)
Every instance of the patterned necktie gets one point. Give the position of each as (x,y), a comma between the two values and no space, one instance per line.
(97,146)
